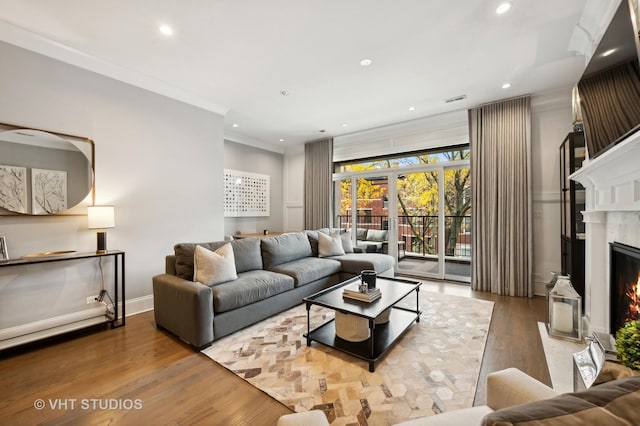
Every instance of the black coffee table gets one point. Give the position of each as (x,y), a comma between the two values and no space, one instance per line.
(382,336)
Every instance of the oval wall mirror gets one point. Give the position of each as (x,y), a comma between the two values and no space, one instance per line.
(43,173)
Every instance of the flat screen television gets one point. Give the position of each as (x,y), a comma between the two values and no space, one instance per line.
(609,89)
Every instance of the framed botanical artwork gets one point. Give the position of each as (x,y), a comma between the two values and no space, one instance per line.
(246,194)
(13,188)
(48,191)
(4,252)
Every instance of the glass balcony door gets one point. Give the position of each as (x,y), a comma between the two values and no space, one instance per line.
(361,207)
(457,224)
(433,216)
(417,216)
(417,209)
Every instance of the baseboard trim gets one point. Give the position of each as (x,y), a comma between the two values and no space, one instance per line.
(139,305)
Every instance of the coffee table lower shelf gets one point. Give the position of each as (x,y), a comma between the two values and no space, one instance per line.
(385,335)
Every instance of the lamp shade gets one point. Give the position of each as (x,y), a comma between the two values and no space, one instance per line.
(101,217)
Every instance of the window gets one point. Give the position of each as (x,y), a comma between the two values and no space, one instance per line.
(434,156)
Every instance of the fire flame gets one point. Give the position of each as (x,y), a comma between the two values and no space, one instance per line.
(633,312)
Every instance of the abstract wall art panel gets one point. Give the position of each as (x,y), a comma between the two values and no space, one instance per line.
(246,194)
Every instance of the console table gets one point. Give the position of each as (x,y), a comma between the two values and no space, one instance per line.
(118,276)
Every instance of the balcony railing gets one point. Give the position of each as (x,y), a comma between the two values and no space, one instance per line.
(420,233)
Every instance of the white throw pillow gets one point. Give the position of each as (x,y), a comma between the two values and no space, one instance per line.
(214,267)
(347,244)
(329,245)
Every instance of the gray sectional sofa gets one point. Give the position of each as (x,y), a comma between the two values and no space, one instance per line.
(274,274)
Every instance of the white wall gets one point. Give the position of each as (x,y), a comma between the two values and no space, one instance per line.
(250,159)
(294,188)
(447,129)
(157,161)
(551,120)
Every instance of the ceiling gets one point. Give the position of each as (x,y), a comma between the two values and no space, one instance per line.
(237,57)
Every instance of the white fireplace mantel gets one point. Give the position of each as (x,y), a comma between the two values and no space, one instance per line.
(612,183)
(614,177)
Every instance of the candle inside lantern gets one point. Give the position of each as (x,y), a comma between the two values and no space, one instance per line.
(562,317)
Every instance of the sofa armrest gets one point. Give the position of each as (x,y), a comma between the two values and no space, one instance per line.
(185,308)
(509,387)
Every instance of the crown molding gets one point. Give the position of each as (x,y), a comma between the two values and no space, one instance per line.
(250,141)
(37,43)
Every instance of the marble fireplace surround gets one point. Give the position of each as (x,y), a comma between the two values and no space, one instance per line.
(612,182)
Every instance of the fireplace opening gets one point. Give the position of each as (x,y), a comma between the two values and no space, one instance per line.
(624,281)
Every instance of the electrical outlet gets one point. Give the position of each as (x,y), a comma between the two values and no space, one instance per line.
(92,299)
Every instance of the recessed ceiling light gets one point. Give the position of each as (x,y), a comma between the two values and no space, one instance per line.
(412,108)
(608,52)
(344,124)
(281,140)
(166,30)
(503,7)
(235,125)
(365,62)
(506,85)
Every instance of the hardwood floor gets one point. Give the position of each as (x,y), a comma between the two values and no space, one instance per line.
(140,375)
(514,338)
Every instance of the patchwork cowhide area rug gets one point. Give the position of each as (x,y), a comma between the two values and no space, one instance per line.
(433,368)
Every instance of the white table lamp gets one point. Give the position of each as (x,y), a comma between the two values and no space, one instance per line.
(101,217)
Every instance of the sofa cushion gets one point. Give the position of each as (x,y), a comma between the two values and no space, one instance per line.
(376,235)
(313,239)
(370,246)
(312,236)
(308,269)
(353,263)
(347,244)
(246,254)
(313,417)
(284,248)
(466,417)
(329,245)
(249,287)
(611,403)
(361,233)
(214,267)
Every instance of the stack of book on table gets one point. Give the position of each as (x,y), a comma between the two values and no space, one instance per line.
(369,296)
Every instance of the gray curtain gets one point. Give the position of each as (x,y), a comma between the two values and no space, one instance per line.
(500,136)
(318,187)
